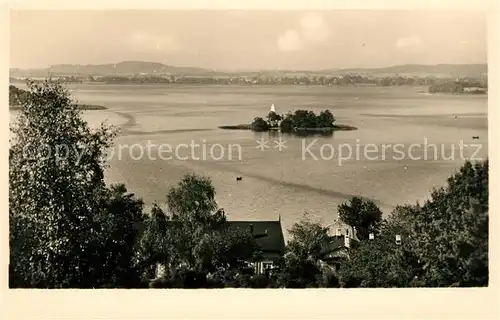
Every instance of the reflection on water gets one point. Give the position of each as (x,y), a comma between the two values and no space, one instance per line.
(303,134)
(286,182)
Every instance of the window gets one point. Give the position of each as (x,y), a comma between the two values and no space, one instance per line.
(267,267)
(398,239)
(339,232)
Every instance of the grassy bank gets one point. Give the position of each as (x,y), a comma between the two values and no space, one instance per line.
(343,127)
(237,127)
(338,127)
(80,106)
(91,107)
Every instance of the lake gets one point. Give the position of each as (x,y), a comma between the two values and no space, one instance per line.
(289,182)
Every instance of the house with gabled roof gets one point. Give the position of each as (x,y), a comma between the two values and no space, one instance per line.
(267,234)
(269,238)
(342,238)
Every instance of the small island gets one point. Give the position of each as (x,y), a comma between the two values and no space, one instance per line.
(17,96)
(458,88)
(299,122)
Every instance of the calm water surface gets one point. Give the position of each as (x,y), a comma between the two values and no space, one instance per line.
(286,183)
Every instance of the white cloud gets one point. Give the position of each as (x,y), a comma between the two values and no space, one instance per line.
(142,41)
(412,41)
(311,21)
(314,28)
(289,41)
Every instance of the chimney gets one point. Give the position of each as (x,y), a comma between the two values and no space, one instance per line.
(347,241)
(251,229)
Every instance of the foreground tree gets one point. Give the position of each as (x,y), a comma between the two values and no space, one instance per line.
(362,214)
(381,262)
(154,244)
(308,238)
(444,242)
(302,266)
(66,228)
(193,240)
(450,232)
(194,214)
(16,95)
(116,240)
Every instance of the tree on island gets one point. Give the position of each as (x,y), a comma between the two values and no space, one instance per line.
(447,87)
(304,119)
(300,120)
(325,119)
(273,119)
(259,124)
(287,124)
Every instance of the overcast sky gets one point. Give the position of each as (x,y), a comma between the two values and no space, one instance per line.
(240,40)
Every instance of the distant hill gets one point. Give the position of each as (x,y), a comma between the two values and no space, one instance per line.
(453,70)
(138,67)
(439,70)
(120,68)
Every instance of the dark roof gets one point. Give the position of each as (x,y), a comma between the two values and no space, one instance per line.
(268,234)
(337,244)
